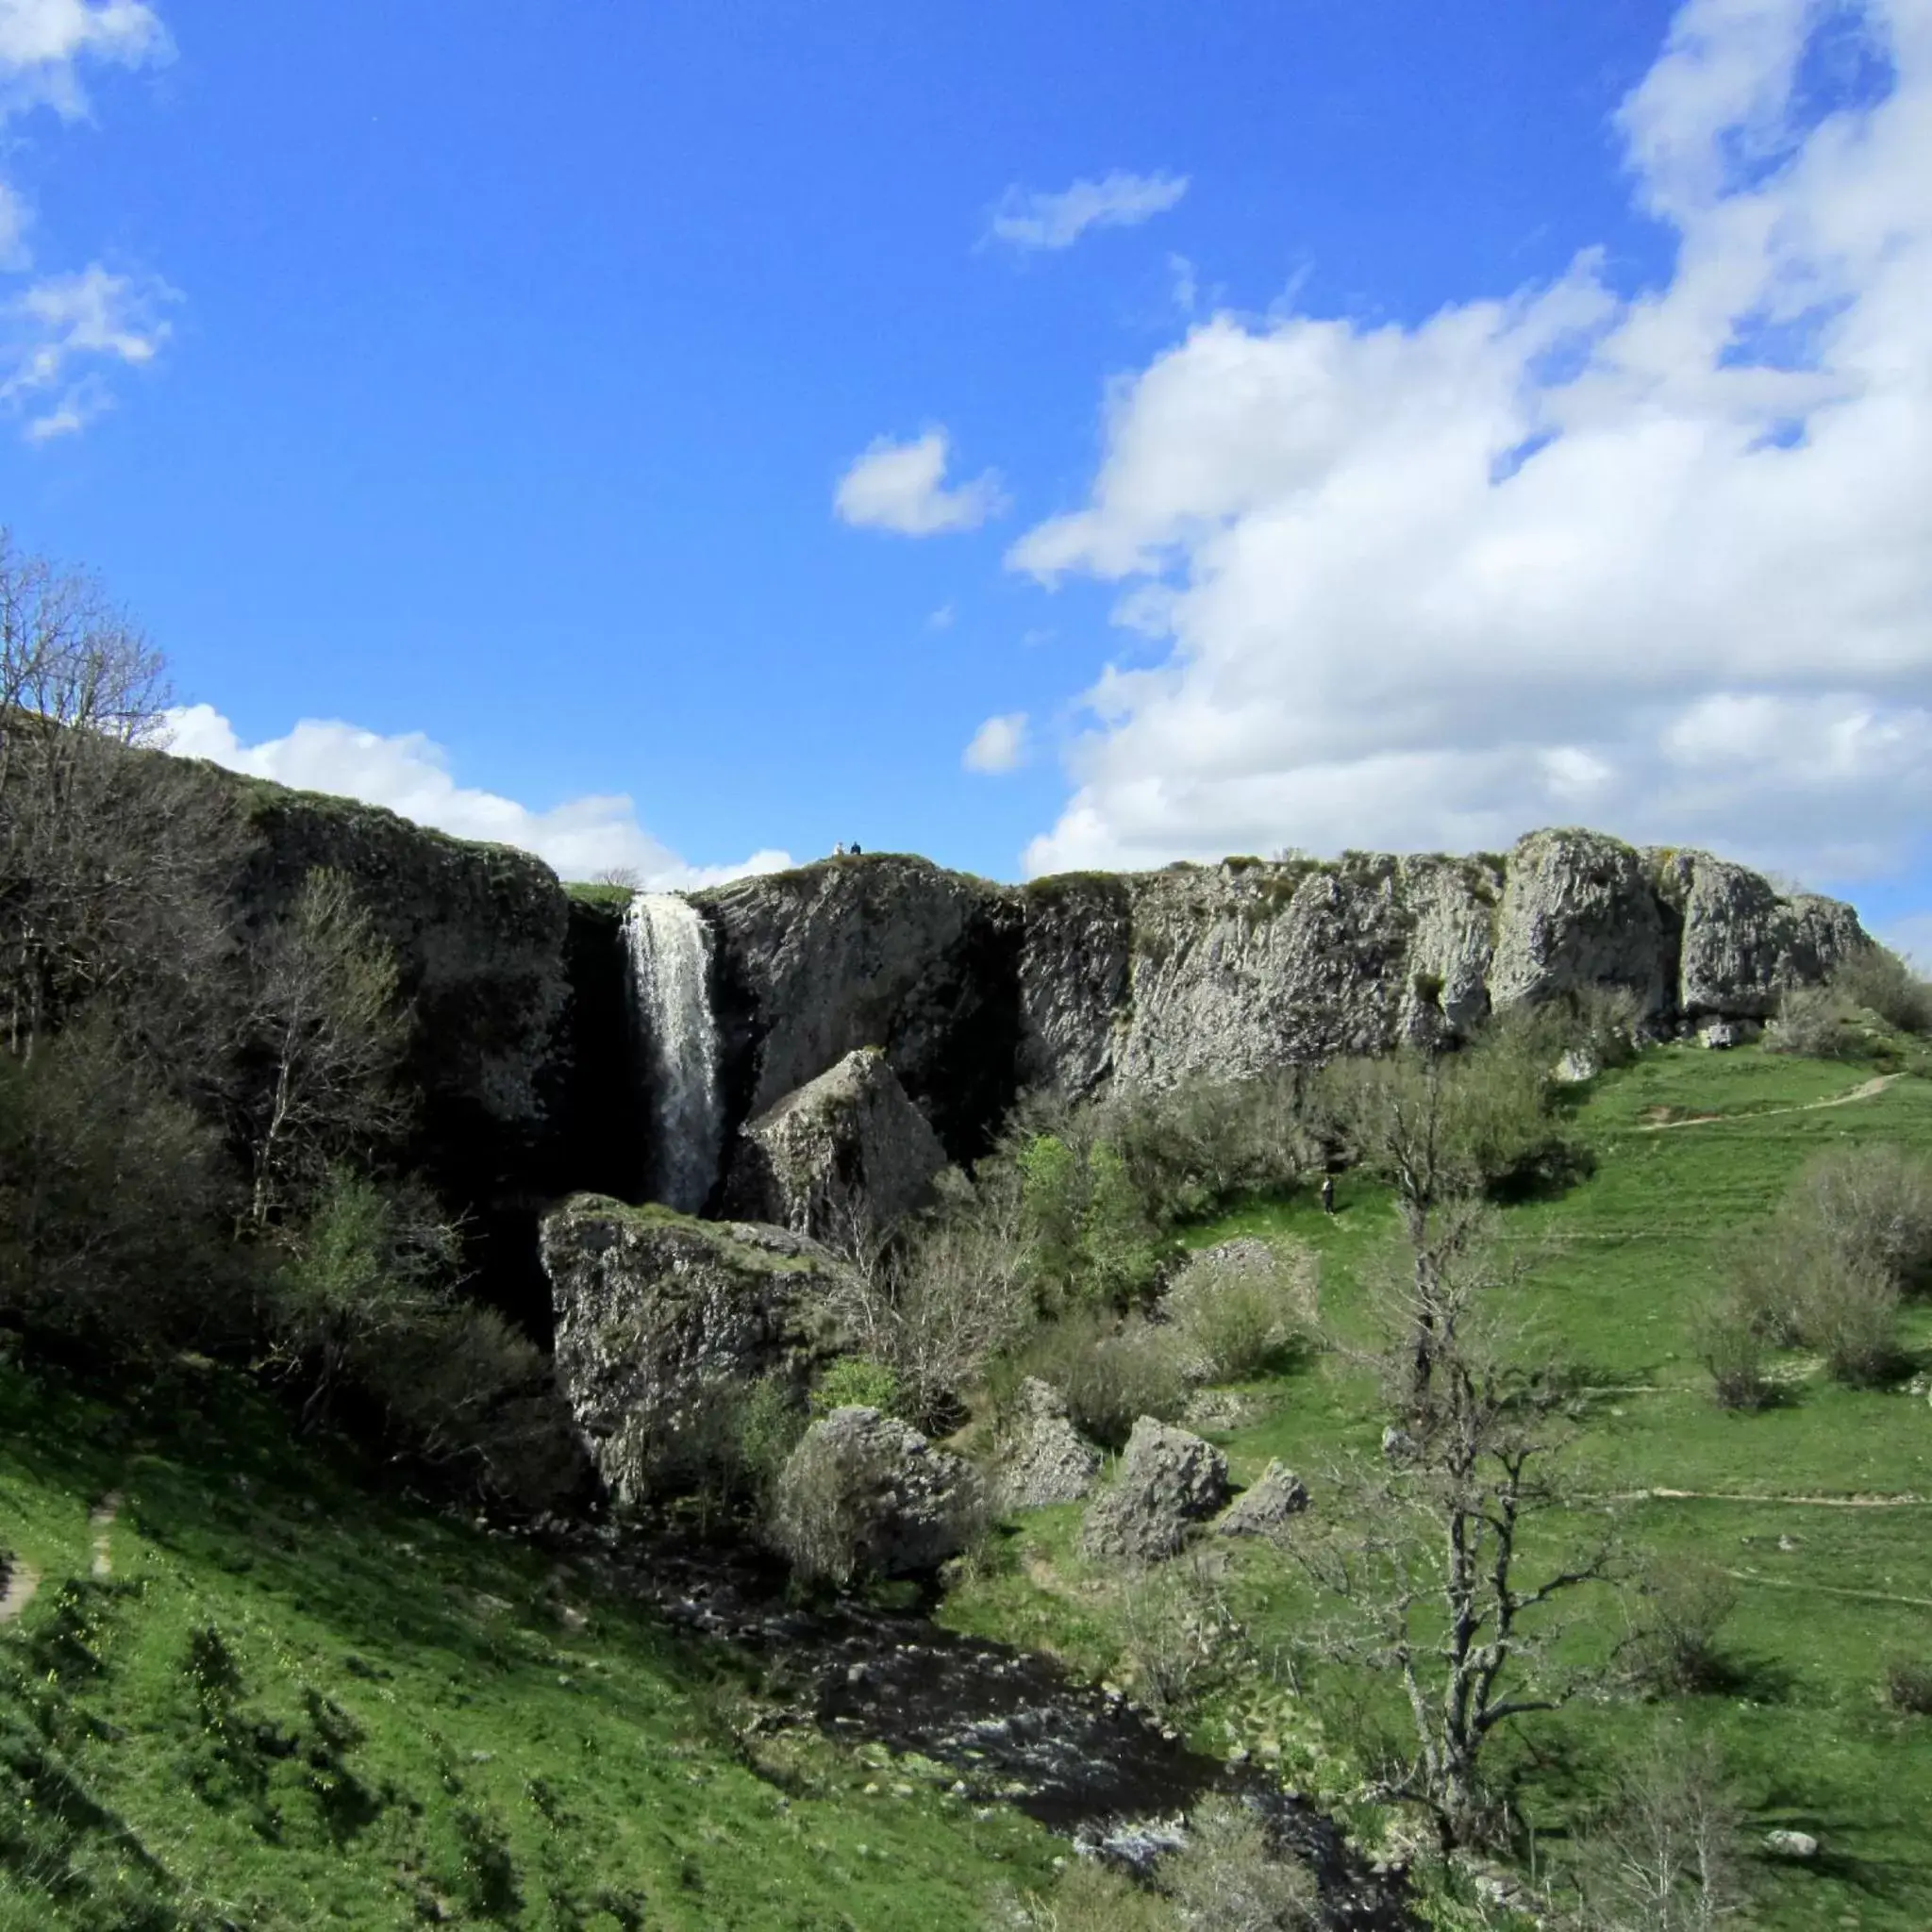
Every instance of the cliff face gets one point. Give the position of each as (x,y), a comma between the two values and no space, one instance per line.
(977,990)
(481,938)
(884,951)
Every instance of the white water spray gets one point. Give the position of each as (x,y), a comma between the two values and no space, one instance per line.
(670,950)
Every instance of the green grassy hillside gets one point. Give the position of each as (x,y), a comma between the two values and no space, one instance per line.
(1820,1508)
(246,1692)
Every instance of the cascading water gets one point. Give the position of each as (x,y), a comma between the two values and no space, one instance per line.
(669,947)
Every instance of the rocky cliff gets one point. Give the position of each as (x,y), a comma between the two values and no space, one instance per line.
(975,991)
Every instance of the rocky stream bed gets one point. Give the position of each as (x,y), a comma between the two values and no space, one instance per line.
(1012,1726)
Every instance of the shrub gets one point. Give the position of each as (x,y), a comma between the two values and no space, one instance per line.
(1909,1686)
(854,1382)
(1848,1311)
(1730,1341)
(1111,1372)
(1092,1897)
(1224,1878)
(1878,979)
(1177,1633)
(1684,1603)
(1814,1022)
(1240,1308)
(1872,1207)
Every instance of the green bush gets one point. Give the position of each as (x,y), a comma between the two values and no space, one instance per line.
(1815,1023)
(854,1382)
(1729,1334)
(1872,1208)
(1242,1307)
(1848,1311)
(1112,1373)
(1909,1686)
(1878,980)
(1682,1607)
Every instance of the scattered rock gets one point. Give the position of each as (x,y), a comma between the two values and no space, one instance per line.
(1167,1480)
(1267,1508)
(1720,1035)
(1219,1409)
(1043,1459)
(662,1321)
(843,1155)
(864,1491)
(1790,1844)
(1576,1067)
(1398,1445)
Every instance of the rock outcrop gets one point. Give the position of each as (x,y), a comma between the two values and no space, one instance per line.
(1094,980)
(866,1492)
(1043,1459)
(1167,1481)
(1267,1507)
(661,1320)
(883,951)
(846,1154)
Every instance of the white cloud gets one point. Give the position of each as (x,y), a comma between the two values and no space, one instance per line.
(901,486)
(1029,218)
(998,745)
(58,333)
(40,42)
(410,774)
(60,330)
(1563,555)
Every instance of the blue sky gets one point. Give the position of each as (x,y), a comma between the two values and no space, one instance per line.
(668,433)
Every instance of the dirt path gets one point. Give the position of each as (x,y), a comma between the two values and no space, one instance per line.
(101,1520)
(1868,1089)
(1867,1596)
(1907,1501)
(23,1579)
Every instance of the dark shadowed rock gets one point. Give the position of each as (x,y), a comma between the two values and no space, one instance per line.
(660,1319)
(1267,1506)
(847,1153)
(1043,1459)
(866,1492)
(1167,1481)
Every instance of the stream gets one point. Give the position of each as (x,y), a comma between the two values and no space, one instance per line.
(1013,1725)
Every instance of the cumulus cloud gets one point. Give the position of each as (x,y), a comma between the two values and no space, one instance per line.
(410,774)
(1025,218)
(1661,562)
(998,745)
(902,487)
(59,333)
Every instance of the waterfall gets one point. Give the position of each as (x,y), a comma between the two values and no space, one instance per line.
(669,947)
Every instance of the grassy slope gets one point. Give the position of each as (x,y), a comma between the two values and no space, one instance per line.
(482,1756)
(1828,1592)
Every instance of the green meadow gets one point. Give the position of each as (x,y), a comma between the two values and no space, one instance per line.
(1819,1507)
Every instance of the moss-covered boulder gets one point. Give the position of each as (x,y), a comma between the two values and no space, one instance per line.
(664,1322)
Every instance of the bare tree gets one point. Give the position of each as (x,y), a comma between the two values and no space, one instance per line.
(330,1034)
(1431,1558)
(1437,1127)
(936,1299)
(113,864)
(1666,1858)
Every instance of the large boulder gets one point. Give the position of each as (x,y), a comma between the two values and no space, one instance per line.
(844,1155)
(865,1492)
(1167,1481)
(1267,1507)
(1043,1459)
(885,951)
(663,1320)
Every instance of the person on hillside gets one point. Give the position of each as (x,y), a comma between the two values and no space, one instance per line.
(1328,1193)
